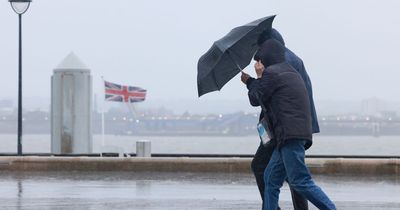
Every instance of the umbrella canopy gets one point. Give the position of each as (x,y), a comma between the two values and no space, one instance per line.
(229,55)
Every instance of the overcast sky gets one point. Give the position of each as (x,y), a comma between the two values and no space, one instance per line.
(350,47)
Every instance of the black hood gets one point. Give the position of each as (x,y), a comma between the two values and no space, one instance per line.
(271,52)
(273,33)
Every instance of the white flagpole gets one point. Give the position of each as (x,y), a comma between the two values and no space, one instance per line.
(132,109)
(102,118)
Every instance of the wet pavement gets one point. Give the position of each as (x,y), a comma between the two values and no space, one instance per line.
(167,191)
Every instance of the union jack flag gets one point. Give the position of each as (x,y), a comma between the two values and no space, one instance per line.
(123,93)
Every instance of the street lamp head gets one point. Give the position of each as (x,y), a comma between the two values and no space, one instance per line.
(20,6)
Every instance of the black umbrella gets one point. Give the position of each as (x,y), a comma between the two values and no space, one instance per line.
(229,55)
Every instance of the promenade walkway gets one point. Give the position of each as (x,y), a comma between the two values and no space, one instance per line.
(86,190)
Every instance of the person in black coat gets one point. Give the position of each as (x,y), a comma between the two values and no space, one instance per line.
(263,153)
(281,89)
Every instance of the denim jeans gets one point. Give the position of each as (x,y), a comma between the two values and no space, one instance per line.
(258,166)
(288,162)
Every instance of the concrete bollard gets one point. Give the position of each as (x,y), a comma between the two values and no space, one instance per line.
(143,148)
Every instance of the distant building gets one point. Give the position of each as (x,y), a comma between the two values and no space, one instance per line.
(6,107)
(372,106)
(388,114)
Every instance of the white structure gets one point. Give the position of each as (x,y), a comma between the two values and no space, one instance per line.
(71,107)
(143,148)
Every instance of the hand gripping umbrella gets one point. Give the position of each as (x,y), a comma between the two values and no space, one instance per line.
(229,55)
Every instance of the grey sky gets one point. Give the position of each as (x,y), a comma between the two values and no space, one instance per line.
(350,48)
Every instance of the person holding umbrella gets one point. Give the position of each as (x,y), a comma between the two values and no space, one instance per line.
(281,92)
(227,57)
(263,154)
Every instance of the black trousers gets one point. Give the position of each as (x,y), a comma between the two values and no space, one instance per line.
(258,165)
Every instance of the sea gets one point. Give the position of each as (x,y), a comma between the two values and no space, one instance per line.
(241,145)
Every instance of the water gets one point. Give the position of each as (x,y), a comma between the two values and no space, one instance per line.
(323,145)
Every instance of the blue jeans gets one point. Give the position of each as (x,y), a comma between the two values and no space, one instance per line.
(258,166)
(288,162)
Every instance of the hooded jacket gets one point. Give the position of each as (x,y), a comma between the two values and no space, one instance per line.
(283,93)
(297,64)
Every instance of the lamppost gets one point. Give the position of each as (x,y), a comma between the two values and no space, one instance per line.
(20,7)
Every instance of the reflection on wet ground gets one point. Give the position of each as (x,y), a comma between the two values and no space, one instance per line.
(156,191)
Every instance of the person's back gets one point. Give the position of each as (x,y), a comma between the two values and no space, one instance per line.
(290,103)
(297,63)
(284,94)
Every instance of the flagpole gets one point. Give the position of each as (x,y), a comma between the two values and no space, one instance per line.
(102,119)
(132,109)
